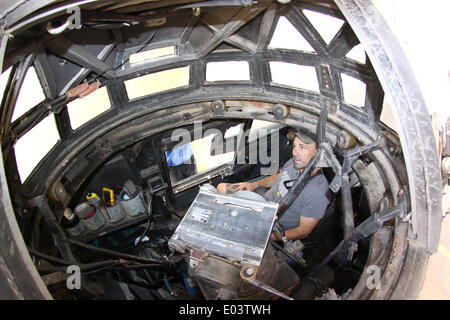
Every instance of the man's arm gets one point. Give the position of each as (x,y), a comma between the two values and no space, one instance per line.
(267,182)
(305,227)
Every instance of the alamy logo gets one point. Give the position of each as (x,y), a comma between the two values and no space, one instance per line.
(374,279)
(74,280)
(74,19)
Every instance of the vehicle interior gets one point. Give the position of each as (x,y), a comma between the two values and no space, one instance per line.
(143,105)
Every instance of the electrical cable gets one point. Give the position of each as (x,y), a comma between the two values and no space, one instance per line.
(164,268)
(83,266)
(168,285)
(149,213)
(48,257)
(113,253)
(89,268)
(143,45)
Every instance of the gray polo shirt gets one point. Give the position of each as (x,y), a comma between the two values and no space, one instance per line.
(311,202)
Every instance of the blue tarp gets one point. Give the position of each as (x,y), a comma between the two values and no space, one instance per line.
(179,155)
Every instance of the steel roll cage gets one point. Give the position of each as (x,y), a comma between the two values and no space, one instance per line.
(20,279)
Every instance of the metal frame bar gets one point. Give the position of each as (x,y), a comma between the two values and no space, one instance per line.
(65,48)
(410,114)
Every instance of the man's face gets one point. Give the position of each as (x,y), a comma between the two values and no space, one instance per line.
(302,152)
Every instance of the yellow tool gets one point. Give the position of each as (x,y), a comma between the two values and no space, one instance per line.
(111,196)
(93,197)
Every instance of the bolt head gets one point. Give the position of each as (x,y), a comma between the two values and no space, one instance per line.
(249,271)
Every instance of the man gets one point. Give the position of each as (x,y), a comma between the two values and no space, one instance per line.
(300,219)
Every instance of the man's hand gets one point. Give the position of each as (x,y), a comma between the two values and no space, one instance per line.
(228,188)
(304,229)
(266,182)
(241,186)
